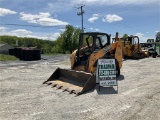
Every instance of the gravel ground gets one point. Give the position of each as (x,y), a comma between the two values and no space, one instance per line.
(24,97)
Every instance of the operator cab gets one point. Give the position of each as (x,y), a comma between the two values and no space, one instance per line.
(89,43)
(131,40)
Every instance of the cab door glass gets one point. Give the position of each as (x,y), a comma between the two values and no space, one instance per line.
(87,41)
(103,39)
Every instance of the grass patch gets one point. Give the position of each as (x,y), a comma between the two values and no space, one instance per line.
(7,57)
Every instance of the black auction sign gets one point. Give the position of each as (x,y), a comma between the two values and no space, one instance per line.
(106,72)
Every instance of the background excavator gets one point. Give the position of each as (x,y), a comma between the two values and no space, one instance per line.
(132,48)
(81,78)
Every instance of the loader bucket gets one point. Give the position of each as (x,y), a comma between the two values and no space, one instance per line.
(72,81)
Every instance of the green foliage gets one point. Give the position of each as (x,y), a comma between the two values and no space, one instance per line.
(7,57)
(2,42)
(125,35)
(69,39)
(45,45)
(65,43)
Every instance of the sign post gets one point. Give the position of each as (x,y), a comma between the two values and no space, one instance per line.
(106,73)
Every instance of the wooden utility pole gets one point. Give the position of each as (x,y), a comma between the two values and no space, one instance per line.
(81,13)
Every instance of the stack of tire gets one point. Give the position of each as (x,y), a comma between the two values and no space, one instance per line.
(37,54)
(18,52)
(26,54)
(11,51)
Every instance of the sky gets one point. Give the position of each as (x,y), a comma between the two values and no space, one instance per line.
(46,19)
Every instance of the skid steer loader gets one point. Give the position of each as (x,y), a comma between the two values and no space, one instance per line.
(81,78)
(132,48)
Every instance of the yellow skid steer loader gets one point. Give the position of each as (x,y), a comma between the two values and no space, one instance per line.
(80,78)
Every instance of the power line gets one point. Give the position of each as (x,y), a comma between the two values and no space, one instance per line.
(10,24)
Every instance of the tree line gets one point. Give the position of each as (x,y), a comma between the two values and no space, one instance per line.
(65,43)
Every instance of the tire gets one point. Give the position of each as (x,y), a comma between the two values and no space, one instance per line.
(154,54)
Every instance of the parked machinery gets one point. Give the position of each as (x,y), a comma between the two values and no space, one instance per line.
(132,48)
(153,46)
(92,46)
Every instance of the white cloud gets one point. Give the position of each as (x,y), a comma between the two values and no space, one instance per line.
(4,12)
(143,38)
(92,29)
(30,34)
(62,30)
(55,35)
(45,36)
(3,29)
(21,31)
(18,32)
(139,35)
(156,31)
(93,18)
(108,18)
(43,19)
(50,22)
(38,37)
(112,18)
(96,29)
